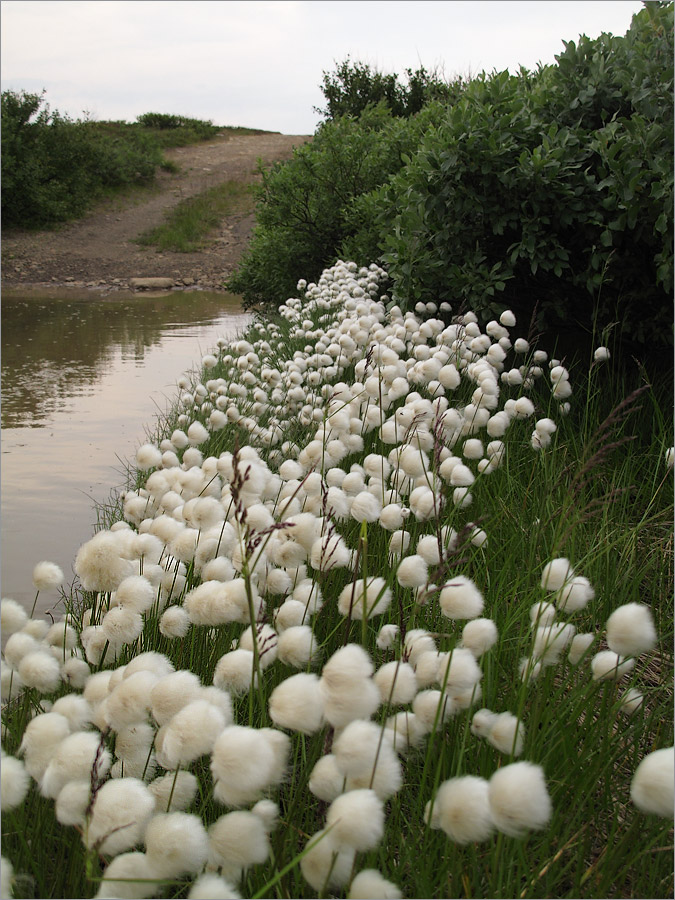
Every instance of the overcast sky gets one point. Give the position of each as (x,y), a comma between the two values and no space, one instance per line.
(260,62)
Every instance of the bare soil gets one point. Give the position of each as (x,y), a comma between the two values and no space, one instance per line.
(98,252)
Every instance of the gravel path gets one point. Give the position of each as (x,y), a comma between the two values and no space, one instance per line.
(97,251)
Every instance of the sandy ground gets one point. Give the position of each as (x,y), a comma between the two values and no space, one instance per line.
(97,251)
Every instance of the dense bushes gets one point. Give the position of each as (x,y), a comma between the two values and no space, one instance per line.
(305,206)
(552,190)
(53,167)
(549,191)
(354,86)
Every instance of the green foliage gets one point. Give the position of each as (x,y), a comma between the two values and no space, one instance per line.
(550,192)
(52,166)
(354,86)
(189,224)
(304,211)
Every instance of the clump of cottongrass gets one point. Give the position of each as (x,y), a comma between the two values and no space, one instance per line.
(479,636)
(519,799)
(40,670)
(76,709)
(461,808)
(369,883)
(14,783)
(550,642)
(235,672)
(631,701)
(176,844)
(169,694)
(246,761)
(297,704)
(574,595)
(73,761)
(122,808)
(555,573)
(609,666)
(366,757)
(356,820)
(237,841)
(507,734)
(325,865)
(461,599)
(129,876)
(652,789)
(47,575)
(189,734)
(630,630)
(212,887)
(297,647)
(326,781)
(364,599)
(175,789)
(13,616)
(579,646)
(396,683)
(174,623)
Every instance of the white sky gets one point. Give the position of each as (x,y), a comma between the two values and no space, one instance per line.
(260,62)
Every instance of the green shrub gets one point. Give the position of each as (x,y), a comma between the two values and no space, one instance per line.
(52,167)
(550,192)
(304,211)
(354,86)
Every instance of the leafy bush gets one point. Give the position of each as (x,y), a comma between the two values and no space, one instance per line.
(354,86)
(52,167)
(197,129)
(551,192)
(304,210)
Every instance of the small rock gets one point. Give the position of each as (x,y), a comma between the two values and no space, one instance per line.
(69,278)
(153,283)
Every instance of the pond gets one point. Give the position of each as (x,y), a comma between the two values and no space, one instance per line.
(83,381)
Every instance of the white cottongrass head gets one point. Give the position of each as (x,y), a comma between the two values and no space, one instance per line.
(212,887)
(630,630)
(325,865)
(237,841)
(13,616)
(651,789)
(297,703)
(609,666)
(176,844)
(479,635)
(507,734)
(122,808)
(356,820)
(40,670)
(412,572)
(396,682)
(363,600)
(461,599)
(519,799)
(461,809)
(555,573)
(175,788)
(574,594)
(15,782)
(369,883)
(47,575)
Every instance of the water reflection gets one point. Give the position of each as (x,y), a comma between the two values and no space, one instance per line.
(83,381)
(52,348)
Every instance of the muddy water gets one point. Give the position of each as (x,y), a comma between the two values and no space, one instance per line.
(83,381)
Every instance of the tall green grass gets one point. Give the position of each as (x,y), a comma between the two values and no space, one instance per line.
(189,224)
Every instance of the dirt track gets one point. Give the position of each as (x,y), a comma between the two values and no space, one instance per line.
(97,251)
